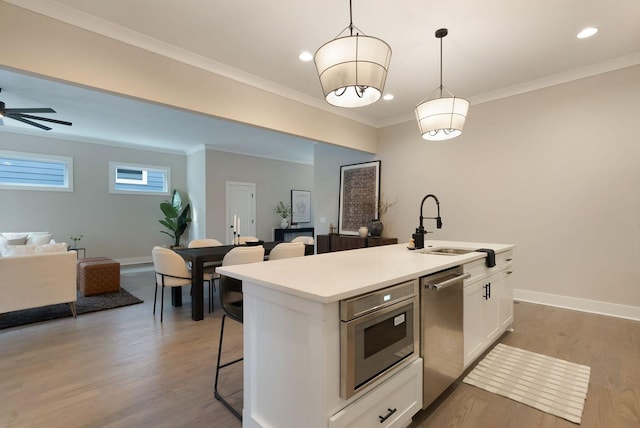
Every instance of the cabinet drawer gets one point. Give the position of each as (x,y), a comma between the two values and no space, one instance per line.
(400,396)
(504,259)
(476,269)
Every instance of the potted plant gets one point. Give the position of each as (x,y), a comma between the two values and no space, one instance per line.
(176,218)
(284,210)
(75,240)
(375,225)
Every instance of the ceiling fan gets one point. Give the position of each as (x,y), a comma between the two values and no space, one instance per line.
(22,115)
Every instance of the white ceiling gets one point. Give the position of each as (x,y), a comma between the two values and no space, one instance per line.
(495,48)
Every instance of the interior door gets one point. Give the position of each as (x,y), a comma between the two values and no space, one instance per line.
(241,202)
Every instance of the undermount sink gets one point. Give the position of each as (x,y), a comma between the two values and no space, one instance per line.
(447,251)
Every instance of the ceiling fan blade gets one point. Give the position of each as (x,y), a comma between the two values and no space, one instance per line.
(37,125)
(30,110)
(45,119)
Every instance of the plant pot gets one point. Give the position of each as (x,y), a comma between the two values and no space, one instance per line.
(375,228)
(284,223)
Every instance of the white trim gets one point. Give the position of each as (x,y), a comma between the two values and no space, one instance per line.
(112,178)
(36,157)
(578,304)
(534,85)
(135,261)
(116,32)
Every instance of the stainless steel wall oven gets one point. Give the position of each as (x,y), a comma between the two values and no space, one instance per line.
(379,332)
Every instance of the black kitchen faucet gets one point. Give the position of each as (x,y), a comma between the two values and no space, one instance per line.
(418,237)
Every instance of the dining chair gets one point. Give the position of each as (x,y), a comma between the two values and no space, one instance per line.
(170,270)
(307,240)
(231,302)
(286,250)
(209,276)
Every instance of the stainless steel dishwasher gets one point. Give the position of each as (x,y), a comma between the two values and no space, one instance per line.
(442,341)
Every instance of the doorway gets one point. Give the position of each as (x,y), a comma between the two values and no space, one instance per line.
(241,202)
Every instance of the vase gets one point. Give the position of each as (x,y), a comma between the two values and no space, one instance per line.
(363,231)
(284,223)
(375,228)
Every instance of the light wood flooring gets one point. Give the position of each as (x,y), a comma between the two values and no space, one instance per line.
(123,368)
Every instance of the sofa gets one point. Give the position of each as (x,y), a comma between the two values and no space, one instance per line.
(34,275)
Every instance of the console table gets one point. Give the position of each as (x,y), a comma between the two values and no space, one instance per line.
(335,242)
(286,235)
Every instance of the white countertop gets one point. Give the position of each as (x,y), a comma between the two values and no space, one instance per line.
(330,277)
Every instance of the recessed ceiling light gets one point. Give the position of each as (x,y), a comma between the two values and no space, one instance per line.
(587,32)
(305,56)
(388,97)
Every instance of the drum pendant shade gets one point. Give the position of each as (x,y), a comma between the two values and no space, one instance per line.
(353,70)
(441,118)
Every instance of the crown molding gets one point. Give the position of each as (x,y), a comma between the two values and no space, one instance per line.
(60,12)
(534,85)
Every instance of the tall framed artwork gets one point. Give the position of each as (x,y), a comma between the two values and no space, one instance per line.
(300,206)
(359,195)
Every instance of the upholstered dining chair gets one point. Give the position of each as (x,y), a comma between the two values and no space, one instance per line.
(231,301)
(210,274)
(307,240)
(286,250)
(171,271)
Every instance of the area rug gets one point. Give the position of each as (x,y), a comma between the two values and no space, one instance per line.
(549,384)
(84,305)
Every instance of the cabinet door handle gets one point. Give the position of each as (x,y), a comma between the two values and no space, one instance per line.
(509,272)
(508,260)
(489,291)
(485,296)
(385,417)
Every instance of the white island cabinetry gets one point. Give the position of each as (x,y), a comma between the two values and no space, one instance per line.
(292,336)
(488,304)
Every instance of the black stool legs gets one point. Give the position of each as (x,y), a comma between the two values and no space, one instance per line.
(218,367)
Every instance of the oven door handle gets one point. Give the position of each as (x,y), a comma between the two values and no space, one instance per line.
(449,282)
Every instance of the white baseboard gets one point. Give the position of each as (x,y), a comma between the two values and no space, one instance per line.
(577,304)
(134,260)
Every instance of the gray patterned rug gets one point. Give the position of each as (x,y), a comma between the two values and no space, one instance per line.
(549,384)
(84,305)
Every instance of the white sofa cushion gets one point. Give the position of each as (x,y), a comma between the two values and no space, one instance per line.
(24,250)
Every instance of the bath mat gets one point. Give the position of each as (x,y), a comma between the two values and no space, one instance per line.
(545,383)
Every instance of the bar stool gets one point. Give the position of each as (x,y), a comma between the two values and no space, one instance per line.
(231,302)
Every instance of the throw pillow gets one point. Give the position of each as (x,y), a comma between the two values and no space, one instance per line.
(15,238)
(39,238)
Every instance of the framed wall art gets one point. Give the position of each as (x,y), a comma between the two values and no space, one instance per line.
(359,194)
(300,206)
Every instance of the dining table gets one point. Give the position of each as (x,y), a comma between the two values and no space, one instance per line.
(207,255)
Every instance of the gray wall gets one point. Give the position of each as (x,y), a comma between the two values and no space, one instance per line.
(274,181)
(554,171)
(327,162)
(117,226)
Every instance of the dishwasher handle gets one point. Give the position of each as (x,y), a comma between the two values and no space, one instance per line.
(449,282)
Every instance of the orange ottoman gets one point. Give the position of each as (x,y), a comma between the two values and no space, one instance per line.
(97,275)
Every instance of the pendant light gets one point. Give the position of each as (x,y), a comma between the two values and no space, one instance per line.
(441,118)
(353,68)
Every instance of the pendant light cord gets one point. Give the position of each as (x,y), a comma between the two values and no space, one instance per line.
(350,18)
(441,67)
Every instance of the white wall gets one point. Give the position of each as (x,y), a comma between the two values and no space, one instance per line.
(274,181)
(197,186)
(555,172)
(117,226)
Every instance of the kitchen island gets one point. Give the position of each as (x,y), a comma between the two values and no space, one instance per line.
(292,333)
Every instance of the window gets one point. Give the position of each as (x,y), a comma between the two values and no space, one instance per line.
(33,171)
(139,179)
